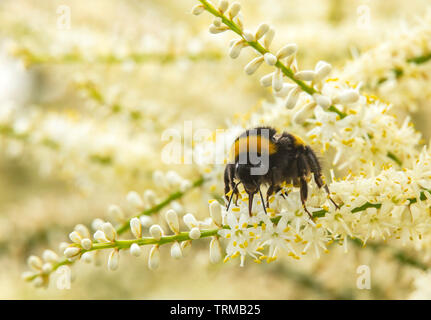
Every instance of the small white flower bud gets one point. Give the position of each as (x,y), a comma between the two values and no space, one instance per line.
(261,30)
(303,113)
(38,282)
(135,200)
(287,87)
(215,212)
(100,236)
(217,22)
(50,256)
(176,252)
(159,178)
(236,48)
(253,65)
(234,10)
(75,237)
(287,51)
(269,36)
(292,98)
(115,213)
(146,221)
(62,246)
(322,69)
(185,185)
(347,96)
(215,251)
(27,275)
(156,232)
(214,29)
(323,101)
(114,260)
(248,36)
(87,257)
(277,80)
(35,263)
(135,250)
(305,75)
(136,227)
(72,252)
(195,233)
(97,224)
(178,207)
(86,244)
(109,231)
(185,247)
(222,6)
(82,230)
(270,59)
(172,220)
(190,220)
(266,80)
(150,197)
(198,9)
(47,268)
(173,178)
(154,258)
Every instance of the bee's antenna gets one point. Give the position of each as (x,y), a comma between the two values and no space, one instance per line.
(231,196)
(263,202)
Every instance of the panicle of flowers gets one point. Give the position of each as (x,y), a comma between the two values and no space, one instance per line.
(397,70)
(86,246)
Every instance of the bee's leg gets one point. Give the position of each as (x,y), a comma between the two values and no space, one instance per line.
(263,201)
(273,189)
(304,193)
(235,190)
(317,173)
(302,173)
(228,180)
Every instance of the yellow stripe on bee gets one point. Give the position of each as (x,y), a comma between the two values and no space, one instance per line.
(252,144)
(298,141)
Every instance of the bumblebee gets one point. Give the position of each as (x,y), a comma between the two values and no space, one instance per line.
(261,156)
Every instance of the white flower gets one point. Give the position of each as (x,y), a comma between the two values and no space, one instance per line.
(270,59)
(198,9)
(195,233)
(86,244)
(72,252)
(109,231)
(135,250)
(115,213)
(261,30)
(172,220)
(156,232)
(154,258)
(215,250)
(176,252)
(35,263)
(287,51)
(114,260)
(234,10)
(253,65)
(135,200)
(305,75)
(136,227)
(216,213)
(100,236)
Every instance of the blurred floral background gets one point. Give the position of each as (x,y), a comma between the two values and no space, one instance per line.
(82,111)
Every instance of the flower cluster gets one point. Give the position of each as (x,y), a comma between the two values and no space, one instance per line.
(397,70)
